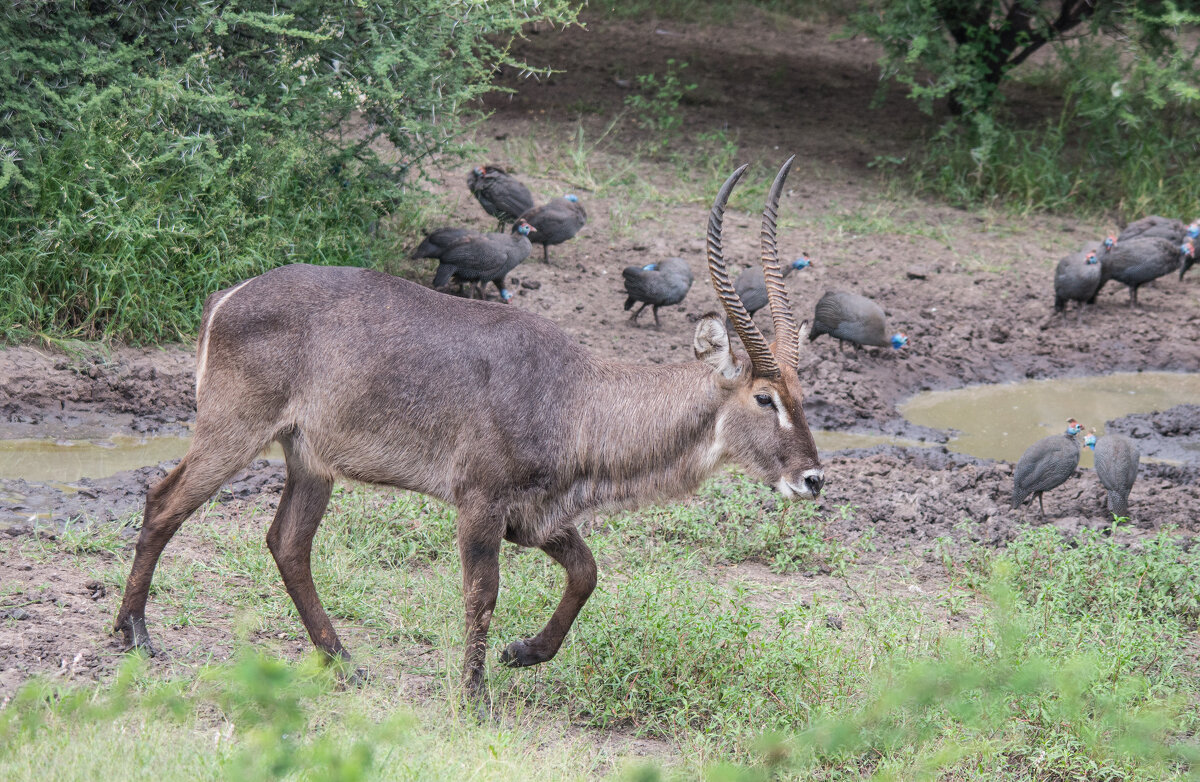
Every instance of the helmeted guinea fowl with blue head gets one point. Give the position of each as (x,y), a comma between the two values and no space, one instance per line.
(556,221)
(1117,467)
(751,286)
(1138,261)
(1077,276)
(500,193)
(482,258)
(856,319)
(661,284)
(1046,464)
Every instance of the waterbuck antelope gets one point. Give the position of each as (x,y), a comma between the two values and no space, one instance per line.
(494,410)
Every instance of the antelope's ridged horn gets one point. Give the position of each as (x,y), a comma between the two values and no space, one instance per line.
(760,354)
(787,338)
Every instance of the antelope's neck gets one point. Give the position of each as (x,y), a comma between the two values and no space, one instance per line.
(647,432)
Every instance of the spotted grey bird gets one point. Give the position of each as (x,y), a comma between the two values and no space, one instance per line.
(856,319)
(1157,227)
(656,285)
(752,288)
(482,258)
(556,222)
(1045,465)
(1077,276)
(439,241)
(1117,467)
(500,193)
(1138,261)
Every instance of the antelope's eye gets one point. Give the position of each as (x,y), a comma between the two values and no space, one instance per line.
(764,400)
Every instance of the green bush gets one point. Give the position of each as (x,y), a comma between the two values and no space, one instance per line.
(1129,123)
(1124,139)
(153,152)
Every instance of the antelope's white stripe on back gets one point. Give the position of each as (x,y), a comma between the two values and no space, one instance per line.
(784,421)
(202,357)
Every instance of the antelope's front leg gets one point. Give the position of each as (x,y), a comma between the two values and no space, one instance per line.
(567,548)
(479,548)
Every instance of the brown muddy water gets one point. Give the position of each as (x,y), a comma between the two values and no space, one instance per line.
(1001,421)
(69,460)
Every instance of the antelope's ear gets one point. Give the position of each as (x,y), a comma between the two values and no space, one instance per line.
(711,344)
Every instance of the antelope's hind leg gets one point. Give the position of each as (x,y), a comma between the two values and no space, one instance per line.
(209,462)
(301,506)
(567,548)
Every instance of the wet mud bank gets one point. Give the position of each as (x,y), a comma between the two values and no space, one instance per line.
(1172,434)
(29,505)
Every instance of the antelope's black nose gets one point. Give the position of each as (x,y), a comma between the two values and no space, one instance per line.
(814,481)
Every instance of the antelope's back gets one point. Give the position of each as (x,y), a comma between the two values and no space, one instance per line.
(383,376)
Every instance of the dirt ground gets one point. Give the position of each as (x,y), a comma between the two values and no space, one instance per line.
(973,291)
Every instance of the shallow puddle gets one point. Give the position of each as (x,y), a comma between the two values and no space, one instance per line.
(61,461)
(1001,421)
(70,460)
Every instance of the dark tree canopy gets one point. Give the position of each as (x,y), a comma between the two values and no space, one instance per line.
(961,50)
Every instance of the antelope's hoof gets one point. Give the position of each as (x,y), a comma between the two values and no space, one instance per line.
(137,638)
(521,654)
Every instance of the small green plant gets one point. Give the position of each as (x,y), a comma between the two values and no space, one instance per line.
(656,103)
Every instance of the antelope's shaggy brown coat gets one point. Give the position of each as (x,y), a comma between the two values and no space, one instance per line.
(497,411)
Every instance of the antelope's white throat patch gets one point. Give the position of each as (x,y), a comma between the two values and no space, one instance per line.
(717,448)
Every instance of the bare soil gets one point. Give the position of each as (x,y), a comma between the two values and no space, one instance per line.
(973,291)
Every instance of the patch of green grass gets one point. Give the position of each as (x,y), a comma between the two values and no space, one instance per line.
(733,519)
(878,219)
(1069,658)
(84,536)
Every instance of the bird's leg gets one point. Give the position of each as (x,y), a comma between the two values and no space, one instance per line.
(633,318)
(546,253)
(1041,506)
(1133,296)
(655,311)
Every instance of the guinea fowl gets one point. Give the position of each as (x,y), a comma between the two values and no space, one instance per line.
(1046,464)
(1188,251)
(1155,227)
(1138,261)
(437,242)
(855,319)
(500,193)
(556,222)
(1117,466)
(751,287)
(1077,278)
(482,258)
(656,285)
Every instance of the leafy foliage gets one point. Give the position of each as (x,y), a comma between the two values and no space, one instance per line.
(1130,118)
(656,103)
(153,152)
